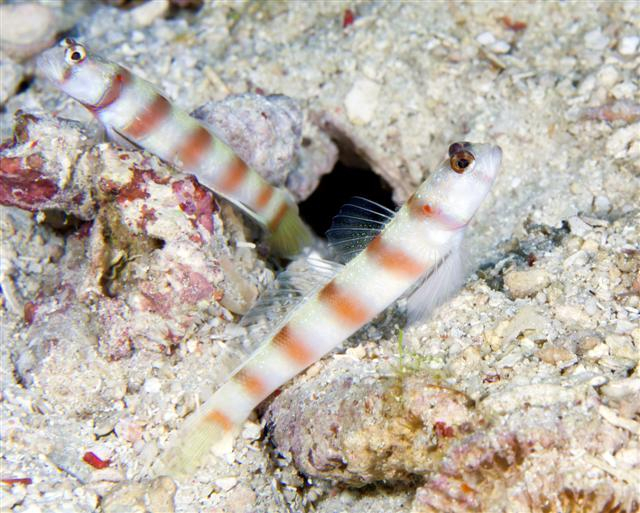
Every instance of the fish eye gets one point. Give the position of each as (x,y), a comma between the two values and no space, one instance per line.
(75,54)
(460,159)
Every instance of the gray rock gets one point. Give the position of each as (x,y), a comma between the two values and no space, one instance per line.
(12,74)
(270,134)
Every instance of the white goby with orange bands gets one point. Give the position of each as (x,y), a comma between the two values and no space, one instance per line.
(131,109)
(407,255)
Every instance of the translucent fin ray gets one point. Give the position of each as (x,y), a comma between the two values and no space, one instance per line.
(436,286)
(301,279)
(275,305)
(355,225)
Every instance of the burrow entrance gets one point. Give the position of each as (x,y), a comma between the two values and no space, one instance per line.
(337,188)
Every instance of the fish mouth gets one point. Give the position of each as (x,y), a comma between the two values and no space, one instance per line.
(491,154)
(495,157)
(51,64)
(496,154)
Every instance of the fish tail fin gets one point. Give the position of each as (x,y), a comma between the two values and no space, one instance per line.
(290,235)
(207,429)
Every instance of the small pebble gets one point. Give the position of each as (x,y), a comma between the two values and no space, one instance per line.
(608,76)
(578,226)
(587,84)
(577,259)
(251,431)
(626,91)
(572,315)
(598,351)
(129,430)
(125,498)
(104,425)
(628,45)
(137,36)
(148,12)
(621,346)
(619,144)
(555,355)
(587,344)
(624,326)
(26,28)
(486,38)
(601,204)
(152,385)
(527,319)
(590,247)
(526,283)
(596,40)
(500,46)
(361,101)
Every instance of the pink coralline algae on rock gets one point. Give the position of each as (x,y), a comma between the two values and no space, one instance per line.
(147,261)
(41,168)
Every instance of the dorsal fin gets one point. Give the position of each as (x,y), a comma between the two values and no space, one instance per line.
(355,225)
(275,305)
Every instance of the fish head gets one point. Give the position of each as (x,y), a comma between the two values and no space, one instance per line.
(75,70)
(457,188)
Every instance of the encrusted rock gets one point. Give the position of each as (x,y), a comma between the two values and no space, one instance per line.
(135,201)
(48,166)
(360,430)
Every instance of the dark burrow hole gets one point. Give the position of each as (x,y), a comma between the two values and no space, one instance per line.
(337,188)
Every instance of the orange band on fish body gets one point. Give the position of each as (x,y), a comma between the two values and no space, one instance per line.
(393,259)
(293,347)
(347,307)
(150,118)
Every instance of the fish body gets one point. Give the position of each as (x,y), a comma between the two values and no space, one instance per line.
(130,108)
(409,250)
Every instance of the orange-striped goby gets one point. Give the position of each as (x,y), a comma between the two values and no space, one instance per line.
(130,108)
(411,247)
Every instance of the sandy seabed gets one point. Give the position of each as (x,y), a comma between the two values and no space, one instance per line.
(522,393)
